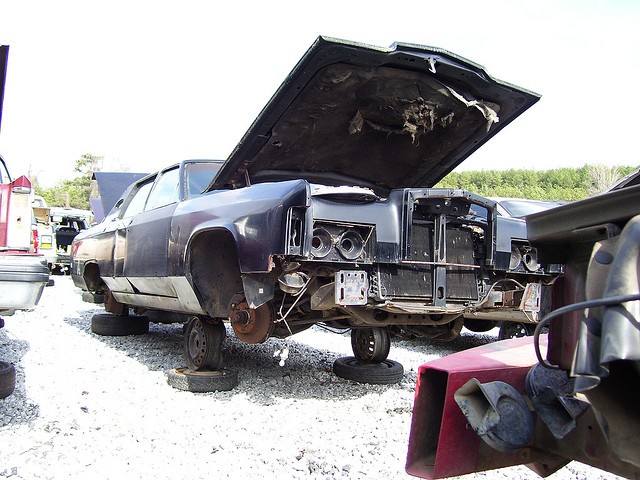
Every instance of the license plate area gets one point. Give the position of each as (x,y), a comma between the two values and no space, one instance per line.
(351,287)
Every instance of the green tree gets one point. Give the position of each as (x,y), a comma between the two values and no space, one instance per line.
(74,192)
(556,184)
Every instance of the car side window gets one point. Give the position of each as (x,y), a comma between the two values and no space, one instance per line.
(166,190)
(136,205)
(199,176)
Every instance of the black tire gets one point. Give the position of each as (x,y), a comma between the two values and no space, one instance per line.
(370,344)
(514,330)
(7,379)
(203,344)
(108,324)
(202,380)
(382,373)
(479,326)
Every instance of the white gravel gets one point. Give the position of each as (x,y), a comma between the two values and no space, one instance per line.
(96,407)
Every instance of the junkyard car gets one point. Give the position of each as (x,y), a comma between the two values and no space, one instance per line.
(57,227)
(322,213)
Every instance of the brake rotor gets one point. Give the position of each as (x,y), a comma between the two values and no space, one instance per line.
(251,325)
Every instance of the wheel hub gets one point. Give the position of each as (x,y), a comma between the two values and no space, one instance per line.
(251,325)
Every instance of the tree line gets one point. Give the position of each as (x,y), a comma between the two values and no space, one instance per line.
(556,184)
(74,192)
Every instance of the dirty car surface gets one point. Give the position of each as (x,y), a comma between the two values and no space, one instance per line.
(323,212)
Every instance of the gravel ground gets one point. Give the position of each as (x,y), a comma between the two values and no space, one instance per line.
(99,407)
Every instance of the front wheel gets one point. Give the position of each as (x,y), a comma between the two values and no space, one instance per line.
(371,344)
(203,344)
(515,330)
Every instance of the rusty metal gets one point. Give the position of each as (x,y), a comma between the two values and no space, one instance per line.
(251,325)
(111,305)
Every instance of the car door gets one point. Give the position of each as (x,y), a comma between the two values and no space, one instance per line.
(135,205)
(148,235)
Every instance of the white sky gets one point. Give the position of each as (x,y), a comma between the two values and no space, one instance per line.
(148,83)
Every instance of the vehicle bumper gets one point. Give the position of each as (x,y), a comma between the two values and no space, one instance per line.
(22,279)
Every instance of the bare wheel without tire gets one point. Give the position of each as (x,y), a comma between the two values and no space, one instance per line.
(7,379)
(382,373)
(202,380)
(370,344)
(515,330)
(116,325)
(203,343)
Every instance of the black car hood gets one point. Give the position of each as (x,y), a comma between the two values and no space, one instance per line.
(352,114)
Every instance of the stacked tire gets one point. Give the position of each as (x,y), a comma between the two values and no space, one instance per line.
(7,379)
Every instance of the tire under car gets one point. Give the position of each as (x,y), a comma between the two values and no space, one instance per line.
(108,324)
(381,373)
(202,381)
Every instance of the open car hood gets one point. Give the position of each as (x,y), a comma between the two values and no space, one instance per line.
(352,114)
